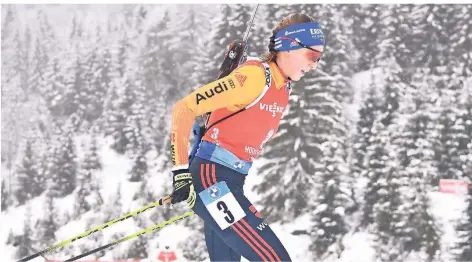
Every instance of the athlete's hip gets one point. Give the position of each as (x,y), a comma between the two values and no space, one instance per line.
(206,173)
(223,155)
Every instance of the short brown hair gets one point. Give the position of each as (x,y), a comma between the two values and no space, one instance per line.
(289,20)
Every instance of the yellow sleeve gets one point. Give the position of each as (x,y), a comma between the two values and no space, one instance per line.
(241,87)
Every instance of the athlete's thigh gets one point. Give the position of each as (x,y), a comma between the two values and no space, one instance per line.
(218,249)
(244,229)
(260,241)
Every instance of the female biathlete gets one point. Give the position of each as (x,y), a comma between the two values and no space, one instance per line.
(213,183)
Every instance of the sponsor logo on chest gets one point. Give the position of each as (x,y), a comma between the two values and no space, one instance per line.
(272,108)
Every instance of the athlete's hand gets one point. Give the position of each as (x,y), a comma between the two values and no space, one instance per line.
(183,188)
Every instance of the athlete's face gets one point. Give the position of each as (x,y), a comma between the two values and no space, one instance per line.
(296,63)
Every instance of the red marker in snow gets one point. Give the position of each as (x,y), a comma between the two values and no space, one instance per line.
(166,255)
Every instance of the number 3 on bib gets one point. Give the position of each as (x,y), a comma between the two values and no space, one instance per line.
(222,205)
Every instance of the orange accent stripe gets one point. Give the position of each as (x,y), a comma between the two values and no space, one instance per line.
(202,177)
(248,242)
(260,238)
(213,173)
(207,167)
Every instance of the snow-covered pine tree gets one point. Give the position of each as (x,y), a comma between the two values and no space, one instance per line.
(25,63)
(96,183)
(26,176)
(184,58)
(81,205)
(93,241)
(460,29)
(463,249)
(427,35)
(328,218)
(386,112)
(139,247)
(13,112)
(112,208)
(51,86)
(96,240)
(122,57)
(140,133)
(335,68)
(50,162)
(154,93)
(426,39)
(88,192)
(220,36)
(38,65)
(25,242)
(391,57)
(385,218)
(92,160)
(463,127)
(140,167)
(125,98)
(150,64)
(73,96)
(99,83)
(118,253)
(46,226)
(118,124)
(66,165)
(421,231)
(366,27)
(4,195)
(450,134)
(47,33)
(11,238)
(428,228)
(393,88)
(106,81)
(377,167)
(368,113)
(465,122)
(10,15)
(95,90)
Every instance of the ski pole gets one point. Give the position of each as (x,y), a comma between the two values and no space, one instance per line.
(160,202)
(142,232)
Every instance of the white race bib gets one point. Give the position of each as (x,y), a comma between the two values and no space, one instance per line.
(222,205)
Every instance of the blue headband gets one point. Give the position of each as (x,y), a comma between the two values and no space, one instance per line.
(309,34)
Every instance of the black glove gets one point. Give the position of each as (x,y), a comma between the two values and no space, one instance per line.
(183,188)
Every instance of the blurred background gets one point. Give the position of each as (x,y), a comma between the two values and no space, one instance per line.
(371,163)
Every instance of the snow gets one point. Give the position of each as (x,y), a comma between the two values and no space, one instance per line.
(358,247)
(447,209)
(361,82)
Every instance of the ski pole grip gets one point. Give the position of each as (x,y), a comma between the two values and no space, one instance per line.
(165,200)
